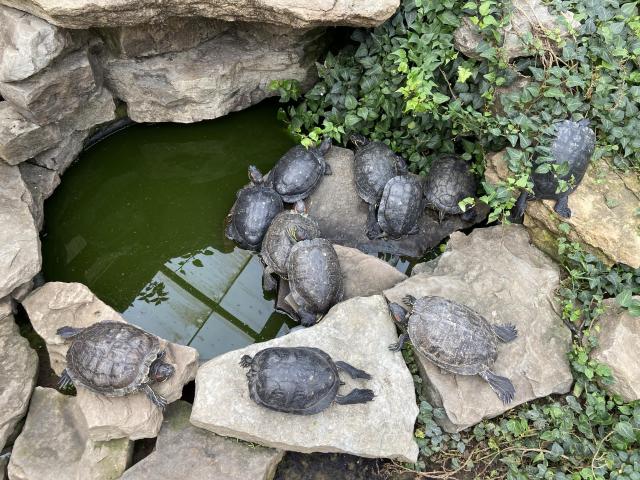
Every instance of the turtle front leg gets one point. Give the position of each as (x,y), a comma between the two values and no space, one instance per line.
(373,229)
(307,319)
(506,333)
(158,400)
(269,283)
(562,207)
(65,380)
(327,169)
(402,339)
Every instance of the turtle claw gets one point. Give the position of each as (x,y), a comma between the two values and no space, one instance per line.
(245,361)
(158,400)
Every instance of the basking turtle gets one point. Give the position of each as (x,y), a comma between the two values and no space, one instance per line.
(448,182)
(115,359)
(375,164)
(299,171)
(400,208)
(277,242)
(315,277)
(300,380)
(455,338)
(252,213)
(573,145)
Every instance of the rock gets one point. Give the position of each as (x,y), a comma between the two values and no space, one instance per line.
(4,461)
(61,156)
(225,74)
(604,213)
(55,92)
(54,444)
(18,371)
(173,35)
(27,44)
(496,272)
(20,258)
(185,452)
(20,293)
(41,182)
(381,428)
(342,215)
(505,93)
(528,18)
(618,337)
(57,304)
(19,138)
(82,14)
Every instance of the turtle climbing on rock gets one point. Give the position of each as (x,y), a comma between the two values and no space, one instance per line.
(300,380)
(400,208)
(573,146)
(374,165)
(455,338)
(299,171)
(448,182)
(277,242)
(255,207)
(115,359)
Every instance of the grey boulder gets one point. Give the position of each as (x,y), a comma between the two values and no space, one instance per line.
(41,182)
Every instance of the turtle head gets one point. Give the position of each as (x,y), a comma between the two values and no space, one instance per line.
(160,371)
(300,207)
(398,313)
(324,146)
(255,175)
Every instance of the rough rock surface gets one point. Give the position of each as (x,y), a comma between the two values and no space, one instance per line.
(342,215)
(225,74)
(499,274)
(528,17)
(381,428)
(603,213)
(41,182)
(18,371)
(4,461)
(27,44)
(618,340)
(184,452)
(21,139)
(57,304)
(20,258)
(54,444)
(298,14)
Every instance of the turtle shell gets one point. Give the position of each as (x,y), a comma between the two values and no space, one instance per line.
(315,277)
(448,182)
(375,164)
(452,336)
(251,215)
(302,380)
(277,244)
(400,205)
(297,173)
(112,358)
(574,144)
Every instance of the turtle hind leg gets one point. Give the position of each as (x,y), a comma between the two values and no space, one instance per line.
(353,371)
(506,333)
(68,332)
(65,381)
(158,400)
(562,207)
(501,385)
(307,319)
(357,395)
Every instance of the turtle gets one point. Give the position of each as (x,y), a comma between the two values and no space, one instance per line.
(455,338)
(315,277)
(299,171)
(448,182)
(374,165)
(255,207)
(115,359)
(300,380)
(277,242)
(400,208)
(573,145)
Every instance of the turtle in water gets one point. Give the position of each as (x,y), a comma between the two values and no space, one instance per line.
(315,277)
(573,145)
(300,380)
(400,208)
(374,165)
(455,338)
(252,213)
(299,171)
(448,182)
(115,359)
(277,242)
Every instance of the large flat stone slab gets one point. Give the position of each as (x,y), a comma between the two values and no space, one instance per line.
(57,304)
(54,444)
(499,274)
(186,452)
(18,371)
(357,331)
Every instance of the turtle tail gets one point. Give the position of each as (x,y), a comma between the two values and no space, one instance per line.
(357,395)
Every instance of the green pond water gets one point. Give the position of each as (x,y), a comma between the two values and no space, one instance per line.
(139,219)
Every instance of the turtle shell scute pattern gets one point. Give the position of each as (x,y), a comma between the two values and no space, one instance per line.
(448,182)
(374,165)
(252,213)
(401,205)
(297,173)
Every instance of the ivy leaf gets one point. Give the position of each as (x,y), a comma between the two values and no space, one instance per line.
(624,298)
(464,74)
(197,263)
(625,430)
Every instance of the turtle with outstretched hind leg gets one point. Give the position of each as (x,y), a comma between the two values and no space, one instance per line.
(455,338)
